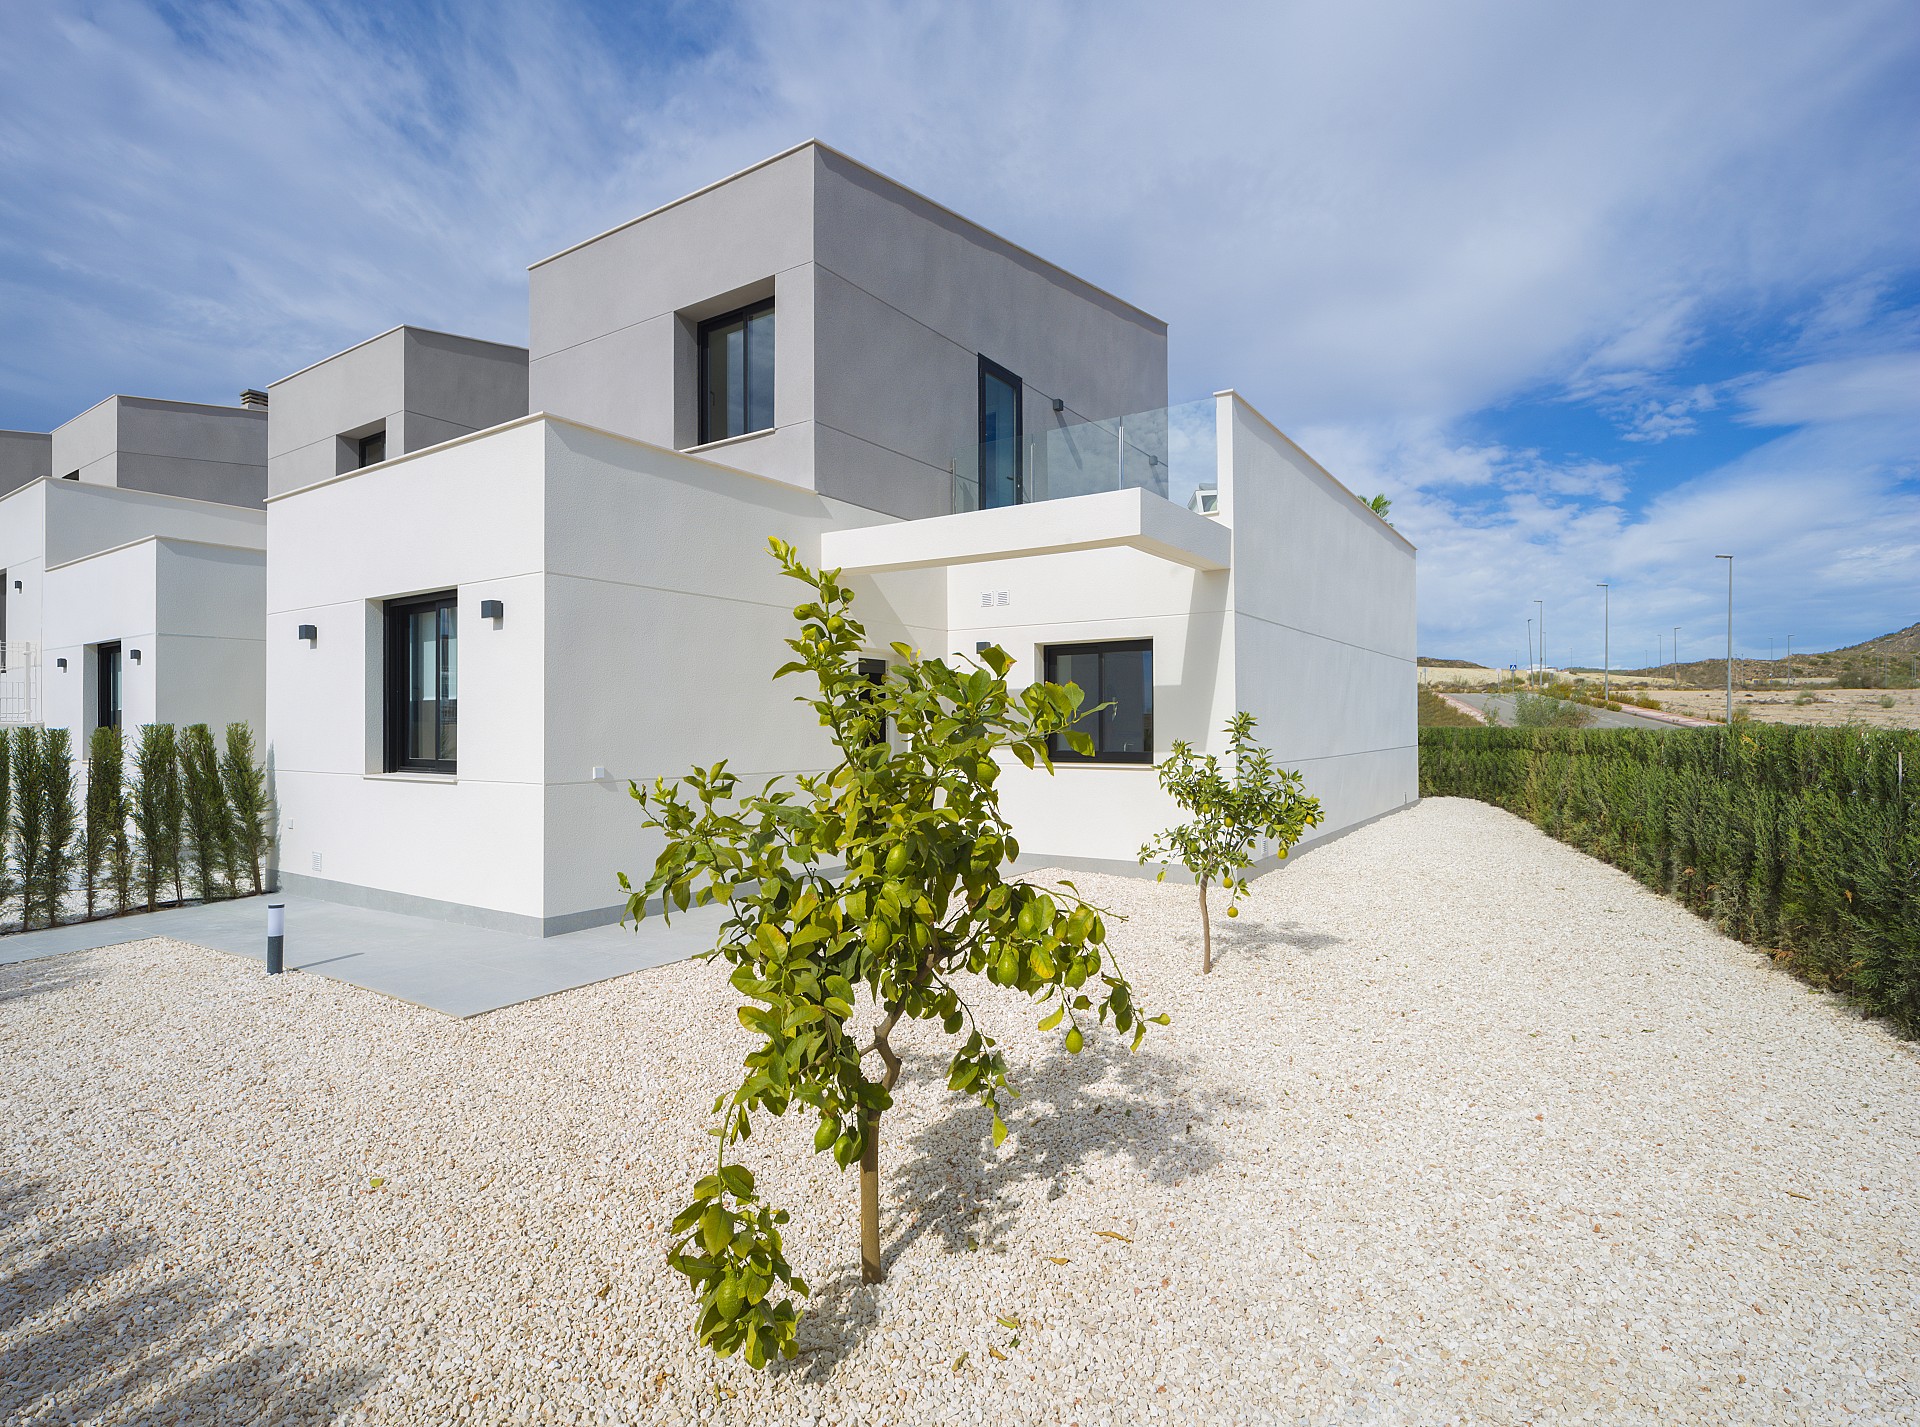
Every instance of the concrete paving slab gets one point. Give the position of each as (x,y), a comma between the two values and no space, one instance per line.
(460,971)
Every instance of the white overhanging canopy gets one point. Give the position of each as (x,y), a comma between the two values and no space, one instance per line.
(1132,518)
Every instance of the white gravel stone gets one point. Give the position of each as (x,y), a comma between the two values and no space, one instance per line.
(1465,1127)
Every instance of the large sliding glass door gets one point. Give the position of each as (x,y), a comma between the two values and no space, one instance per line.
(1002,479)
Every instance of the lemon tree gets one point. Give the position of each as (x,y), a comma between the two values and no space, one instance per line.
(1232,815)
(880,880)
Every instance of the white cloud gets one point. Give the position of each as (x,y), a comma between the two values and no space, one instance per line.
(1885,384)
(1373,220)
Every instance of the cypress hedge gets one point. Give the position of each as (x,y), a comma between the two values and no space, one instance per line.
(1804,841)
(185,810)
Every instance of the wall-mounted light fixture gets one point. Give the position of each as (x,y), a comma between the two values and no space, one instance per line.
(1059,405)
(136,655)
(309,633)
(493,610)
(16,585)
(61,665)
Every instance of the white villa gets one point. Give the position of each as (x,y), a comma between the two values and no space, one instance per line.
(501,582)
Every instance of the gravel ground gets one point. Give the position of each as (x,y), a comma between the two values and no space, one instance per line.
(1464,1127)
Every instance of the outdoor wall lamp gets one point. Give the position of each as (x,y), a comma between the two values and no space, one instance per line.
(309,633)
(61,665)
(16,585)
(493,610)
(136,655)
(1059,404)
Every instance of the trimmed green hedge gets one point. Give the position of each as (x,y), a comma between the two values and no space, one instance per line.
(1805,841)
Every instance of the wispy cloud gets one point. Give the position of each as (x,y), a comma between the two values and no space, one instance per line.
(1395,227)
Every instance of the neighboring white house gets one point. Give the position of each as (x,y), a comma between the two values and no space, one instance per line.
(471,647)
(134,578)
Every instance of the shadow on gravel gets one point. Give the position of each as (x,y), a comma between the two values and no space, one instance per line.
(1257,938)
(95,1326)
(1149,1110)
(22,979)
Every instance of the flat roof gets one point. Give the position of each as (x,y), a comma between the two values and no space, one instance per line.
(867,168)
(402,327)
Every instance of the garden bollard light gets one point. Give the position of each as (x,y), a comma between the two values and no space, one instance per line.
(276,935)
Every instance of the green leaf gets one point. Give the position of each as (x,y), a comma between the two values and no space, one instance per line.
(1051,1021)
(999,1131)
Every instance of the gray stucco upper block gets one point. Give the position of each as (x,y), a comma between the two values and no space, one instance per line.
(178,448)
(24,456)
(418,386)
(884,303)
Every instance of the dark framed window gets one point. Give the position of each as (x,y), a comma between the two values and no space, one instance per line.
(373,448)
(1119,673)
(106,686)
(736,373)
(1002,435)
(423,684)
(874,671)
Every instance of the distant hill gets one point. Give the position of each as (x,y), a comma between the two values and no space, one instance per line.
(1895,656)
(1425,663)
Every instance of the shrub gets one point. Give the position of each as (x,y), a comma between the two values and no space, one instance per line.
(1887,701)
(205,804)
(1230,817)
(6,820)
(884,872)
(106,814)
(63,821)
(29,825)
(1805,840)
(156,807)
(1544,711)
(246,789)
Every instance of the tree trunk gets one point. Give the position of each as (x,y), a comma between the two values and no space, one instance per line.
(1206,932)
(871,1269)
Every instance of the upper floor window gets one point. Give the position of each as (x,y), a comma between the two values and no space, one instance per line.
(423,684)
(372,448)
(736,373)
(1002,479)
(1118,673)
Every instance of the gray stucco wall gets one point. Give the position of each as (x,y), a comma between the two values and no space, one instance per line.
(24,456)
(421,387)
(884,303)
(908,298)
(179,448)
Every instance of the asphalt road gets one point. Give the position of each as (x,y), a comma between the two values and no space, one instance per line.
(1602,718)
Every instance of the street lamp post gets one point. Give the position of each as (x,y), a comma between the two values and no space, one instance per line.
(1543,642)
(1676,656)
(1606,644)
(1529,653)
(1729,560)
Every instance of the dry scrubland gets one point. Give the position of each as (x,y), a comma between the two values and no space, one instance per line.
(1466,1126)
(1829,707)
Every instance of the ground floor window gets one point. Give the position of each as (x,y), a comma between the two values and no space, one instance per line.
(106,678)
(423,684)
(1118,673)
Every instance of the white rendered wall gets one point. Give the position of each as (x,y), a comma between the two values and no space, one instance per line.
(468,516)
(1324,622)
(193,611)
(666,618)
(1100,812)
(94,601)
(23,556)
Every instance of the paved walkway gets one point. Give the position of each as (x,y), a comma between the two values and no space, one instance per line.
(461,971)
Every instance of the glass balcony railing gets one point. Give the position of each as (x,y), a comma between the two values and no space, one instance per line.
(1169,451)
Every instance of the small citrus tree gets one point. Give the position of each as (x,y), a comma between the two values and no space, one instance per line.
(1232,815)
(885,873)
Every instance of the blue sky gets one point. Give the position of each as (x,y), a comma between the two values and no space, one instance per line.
(1594,293)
